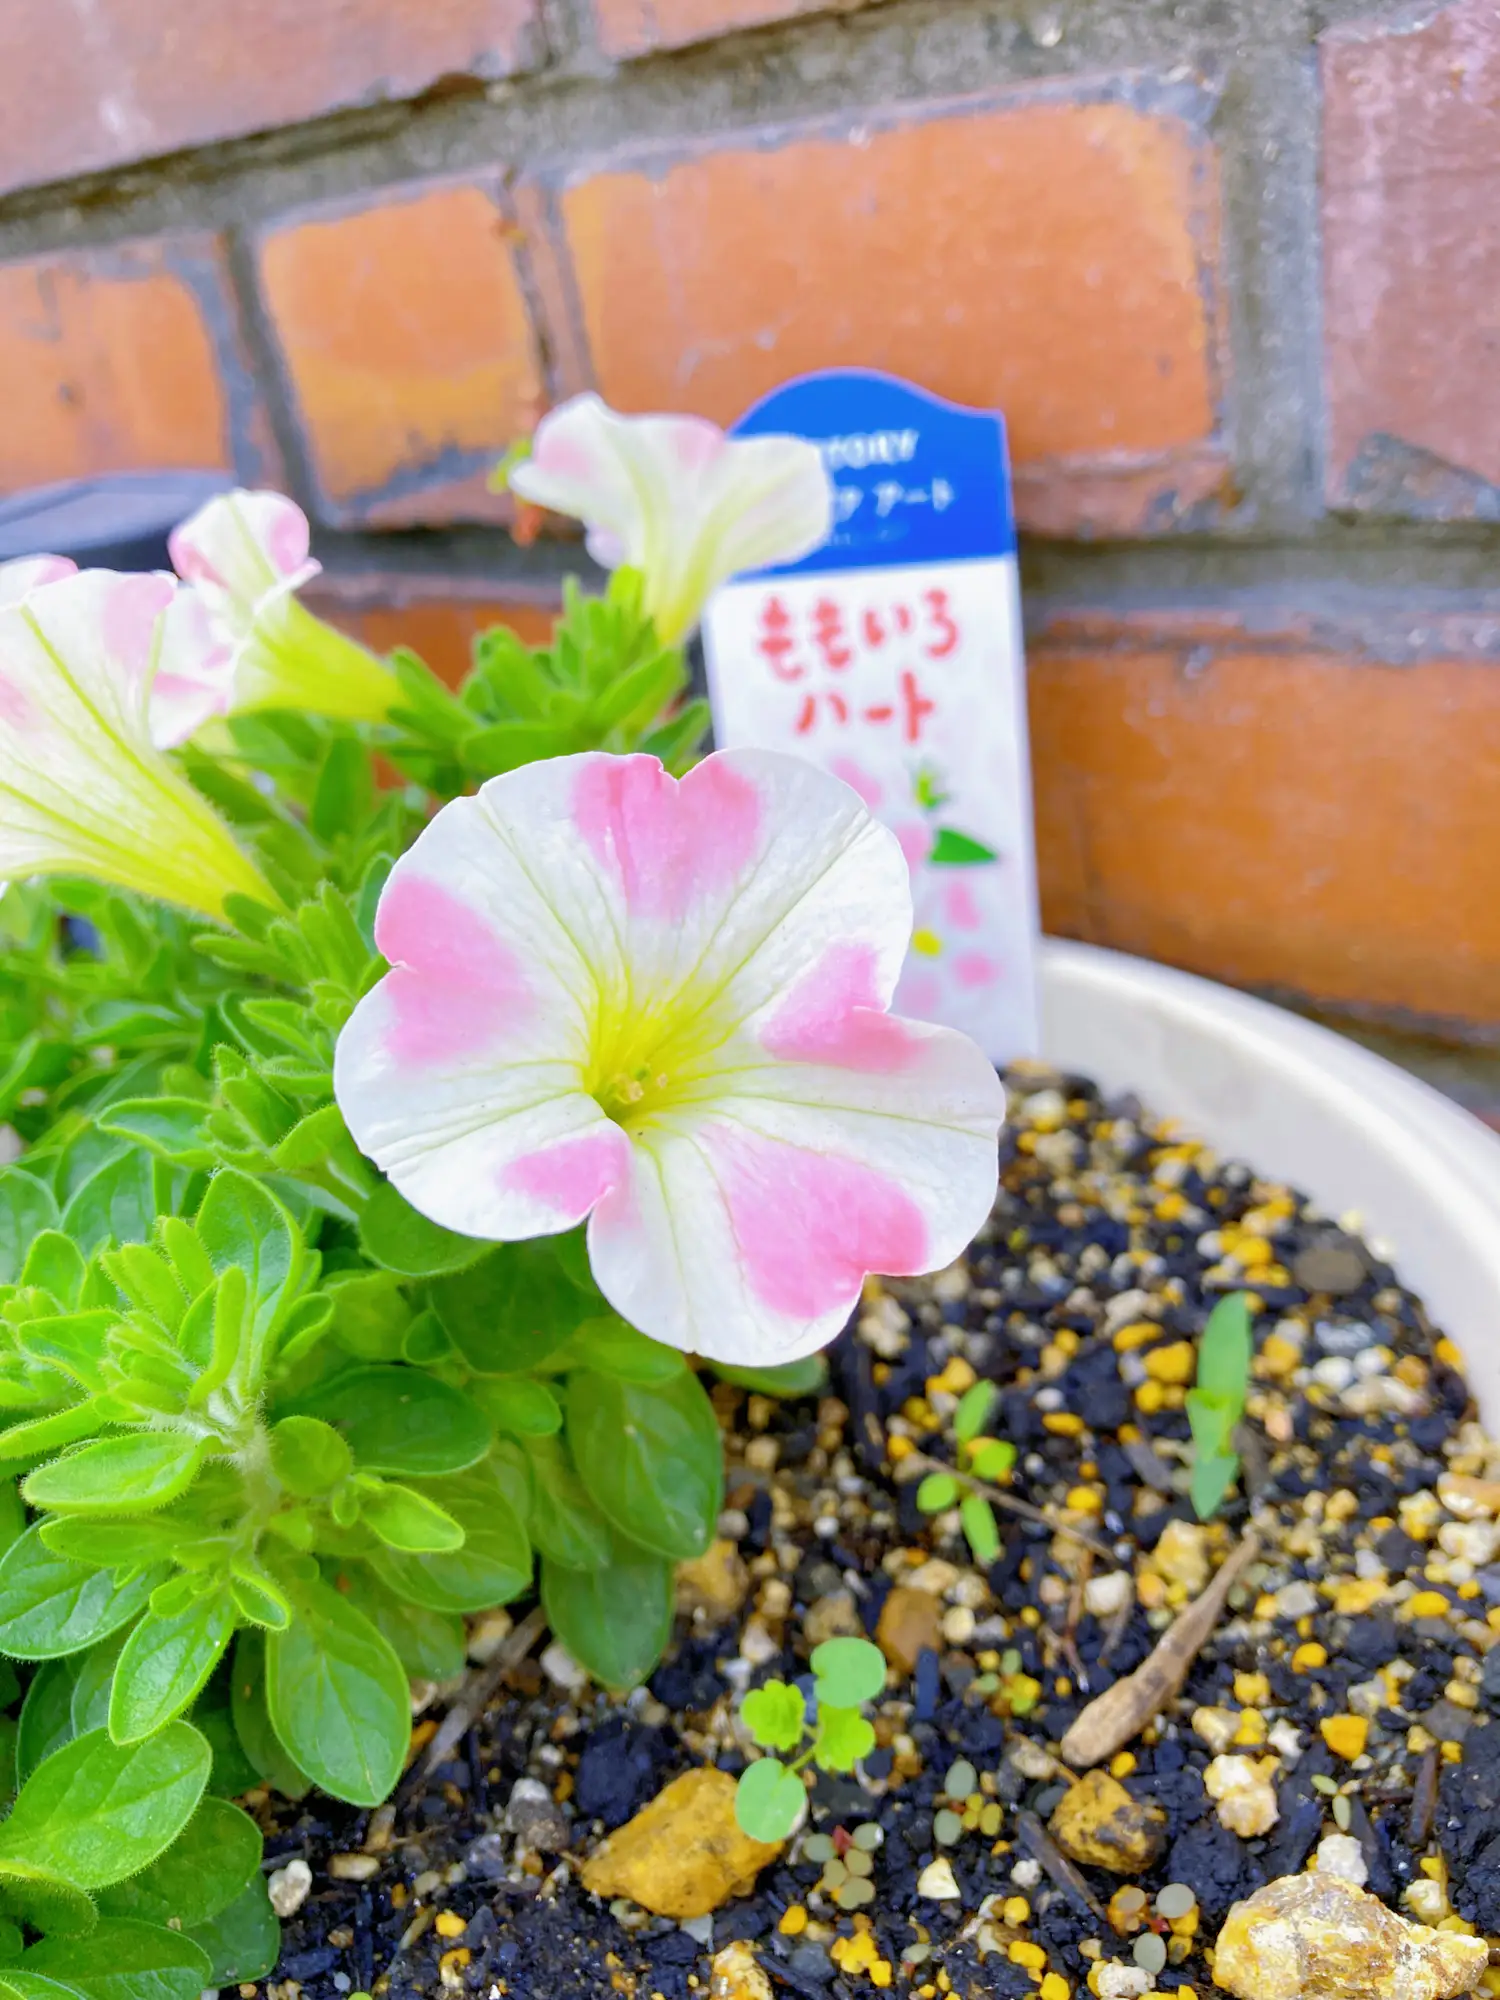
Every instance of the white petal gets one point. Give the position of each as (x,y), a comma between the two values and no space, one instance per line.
(244,545)
(676,498)
(28,573)
(194,673)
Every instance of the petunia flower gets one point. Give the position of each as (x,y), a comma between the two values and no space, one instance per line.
(676,499)
(237,638)
(83,791)
(663,1006)
(27,573)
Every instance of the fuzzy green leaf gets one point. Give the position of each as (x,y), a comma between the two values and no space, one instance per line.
(243,1942)
(400,1420)
(849,1672)
(133,1474)
(775,1715)
(338,1697)
(200,1874)
(50,1605)
(937,1492)
(614,1620)
(399,1238)
(1225,1351)
(164,1663)
(26,1209)
(980,1529)
(768,1801)
(96,1812)
(974,1407)
(122,1959)
(844,1736)
(409,1521)
(492,1567)
(650,1457)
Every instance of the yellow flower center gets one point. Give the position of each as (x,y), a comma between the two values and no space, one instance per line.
(647,1059)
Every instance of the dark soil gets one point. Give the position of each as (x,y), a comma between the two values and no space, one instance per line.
(1371,1603)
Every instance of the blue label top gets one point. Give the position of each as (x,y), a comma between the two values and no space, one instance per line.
(916,479)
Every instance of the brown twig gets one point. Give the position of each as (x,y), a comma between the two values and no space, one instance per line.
(1122,1711)
(1423,1802)
(480,1690)
(1036,1837)
(1119,1625)
(998,1497)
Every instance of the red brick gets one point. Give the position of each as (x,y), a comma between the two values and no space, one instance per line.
(1052,255)
(1285,802)
(641,27)
(438,617)
(408,349)
(126,359)
(1411,228)
(123,80)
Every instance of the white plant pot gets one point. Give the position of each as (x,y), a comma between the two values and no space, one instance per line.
(1300,1103)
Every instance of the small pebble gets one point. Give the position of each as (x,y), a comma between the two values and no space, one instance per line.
(1150,1953)
(817,1847)
(353,1867)
(288,1887)
(936,1882)
(1176,1900)
(869,1836)
(947,1829)
(961,1780)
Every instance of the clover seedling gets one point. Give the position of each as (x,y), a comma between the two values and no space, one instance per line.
(1216,1403)
(770,1797)
(982,1461)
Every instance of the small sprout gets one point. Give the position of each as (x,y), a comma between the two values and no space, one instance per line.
(981,1528)
(974,1407)
(938,1492)
(774,1715)
(992,1459)
(1216,1403)
(770,1798)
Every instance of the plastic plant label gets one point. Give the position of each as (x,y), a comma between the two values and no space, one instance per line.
(892,657)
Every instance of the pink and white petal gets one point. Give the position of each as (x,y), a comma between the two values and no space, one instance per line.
(500,880)
(194,677)
(244,543)
(581,465)
(105,626)
(508,1154)
(741,1250)
(727,883)
(27,573)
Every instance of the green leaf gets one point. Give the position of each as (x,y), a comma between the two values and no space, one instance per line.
(252,1722)
(768,1801)
(200,1874)
(46,1899)
(398,1419)
(96,1812)
(518,1405)
(112,1544)
(46,1722)
(1212,1478)
(936,1492)
(651,1458)
(133,1474)
(980,1529)
(50,1605)
(232,1773)
(309,1457)
(174,1127)
(54,1263)
(12,1941)
(164,1663)
(43,1435)
(240,1223)
(429,1644)
(1225,1350)
(613,1347)
(775,1715)
(492,1567)
(973,1410)
(244,1941)
(843,1738)
(400,1238)
(26,1209)
(116,1204)
(122,1959)
(1212,1419)
(565,1524)
(95,1671)
(344,795)
(370,1314)
(807,1377)
(849,1671)
(338,1698)
(952,849)
(407,1520)
(992,1458)
(508,1312)
(616,1620)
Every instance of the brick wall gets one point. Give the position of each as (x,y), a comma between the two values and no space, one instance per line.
(1229,266)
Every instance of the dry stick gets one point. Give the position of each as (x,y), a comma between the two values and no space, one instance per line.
(1000,1498)
(1423,1802)
(1035,1836)
(475,1698)
(1122,1711)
